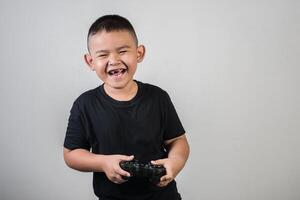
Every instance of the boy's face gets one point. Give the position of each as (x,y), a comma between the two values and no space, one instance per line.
(114,56)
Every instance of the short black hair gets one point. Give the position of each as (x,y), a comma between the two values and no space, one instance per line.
(111,23)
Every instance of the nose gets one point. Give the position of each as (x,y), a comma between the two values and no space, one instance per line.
(114,60)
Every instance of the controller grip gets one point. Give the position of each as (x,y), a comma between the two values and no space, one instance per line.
(150,171)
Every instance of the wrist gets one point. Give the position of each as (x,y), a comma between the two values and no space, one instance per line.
(101,161)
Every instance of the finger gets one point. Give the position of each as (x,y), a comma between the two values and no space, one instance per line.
(122,172)
(158,162)
(114,180)
(121,181)
(161,184)
(164,183)
(118,179)
(127,158)
(164,178)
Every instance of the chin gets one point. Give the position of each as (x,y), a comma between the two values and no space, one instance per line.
(119,85)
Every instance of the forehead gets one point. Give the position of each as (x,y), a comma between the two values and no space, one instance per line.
(109,40)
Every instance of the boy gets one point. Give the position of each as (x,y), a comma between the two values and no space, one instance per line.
(123,119)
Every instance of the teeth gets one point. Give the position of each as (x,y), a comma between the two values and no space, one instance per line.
(115,71)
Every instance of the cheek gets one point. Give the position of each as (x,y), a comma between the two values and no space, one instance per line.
(101,74)
(130,60)
(100,65)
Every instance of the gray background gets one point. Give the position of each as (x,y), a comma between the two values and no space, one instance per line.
(230,67)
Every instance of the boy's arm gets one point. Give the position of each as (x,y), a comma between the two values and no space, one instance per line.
(83,160)
(178,152)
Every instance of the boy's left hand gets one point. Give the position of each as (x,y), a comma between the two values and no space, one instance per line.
(172,169)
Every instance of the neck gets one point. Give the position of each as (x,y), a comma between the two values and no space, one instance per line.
(122,94)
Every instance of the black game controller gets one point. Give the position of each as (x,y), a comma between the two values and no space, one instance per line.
(148,170)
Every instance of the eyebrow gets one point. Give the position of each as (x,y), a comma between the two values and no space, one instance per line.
(118,49)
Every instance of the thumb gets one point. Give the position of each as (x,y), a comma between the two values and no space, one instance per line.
(127,158)
(158,162)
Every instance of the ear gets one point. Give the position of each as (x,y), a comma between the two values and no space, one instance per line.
(141,50)
(89,61)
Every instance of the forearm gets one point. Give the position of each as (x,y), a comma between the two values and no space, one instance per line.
(83,160)
(179,150)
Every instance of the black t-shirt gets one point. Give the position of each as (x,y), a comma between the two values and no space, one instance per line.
(137,127)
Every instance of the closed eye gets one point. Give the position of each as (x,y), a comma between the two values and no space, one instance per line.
(102,55)
(122,52)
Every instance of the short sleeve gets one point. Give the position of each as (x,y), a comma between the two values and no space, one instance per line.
(75,136)
(172,124)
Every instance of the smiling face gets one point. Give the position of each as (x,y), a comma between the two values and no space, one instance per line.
(114,56)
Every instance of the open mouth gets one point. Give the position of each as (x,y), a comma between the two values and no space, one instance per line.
(116,72)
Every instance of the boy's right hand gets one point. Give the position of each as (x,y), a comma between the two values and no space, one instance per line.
(113,170)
